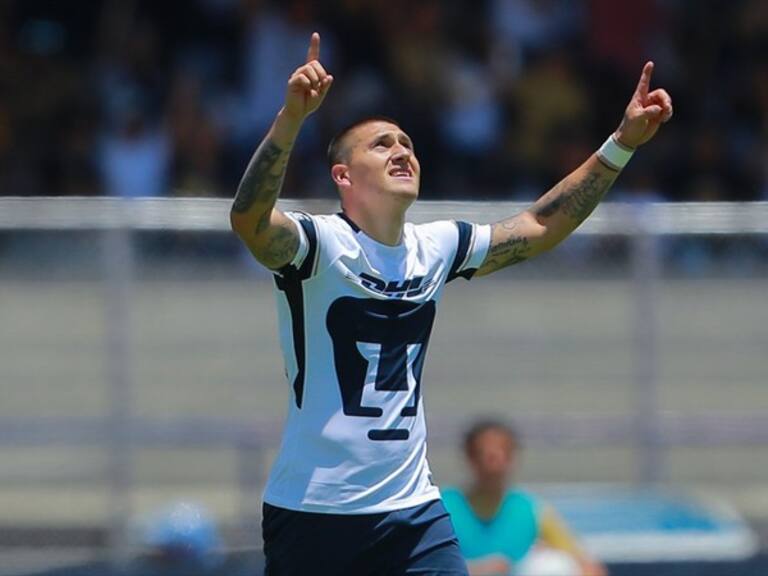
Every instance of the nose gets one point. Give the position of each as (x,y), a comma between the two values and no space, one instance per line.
(401,153)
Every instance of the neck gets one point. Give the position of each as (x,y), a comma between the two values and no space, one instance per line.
(489,491)
(385,224)
(485,500)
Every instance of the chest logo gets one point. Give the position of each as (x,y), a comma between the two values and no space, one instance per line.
(395,288)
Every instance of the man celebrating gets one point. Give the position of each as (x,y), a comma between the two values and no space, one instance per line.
(350,491)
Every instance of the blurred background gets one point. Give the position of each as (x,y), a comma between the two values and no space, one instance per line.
(141,98)
(139,364)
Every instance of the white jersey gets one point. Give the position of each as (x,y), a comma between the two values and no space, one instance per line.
(355,317)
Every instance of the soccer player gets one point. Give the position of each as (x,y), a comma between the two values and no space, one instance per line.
(350,492)
(499,526)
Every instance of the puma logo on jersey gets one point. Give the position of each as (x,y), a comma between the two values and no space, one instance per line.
(394,288)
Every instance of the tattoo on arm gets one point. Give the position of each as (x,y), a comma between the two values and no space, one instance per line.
(280,248)
(575,199)
(511,250)
(553,217)
(262,181)
(273,241)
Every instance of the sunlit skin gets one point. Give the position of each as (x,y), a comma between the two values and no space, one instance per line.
(379,180)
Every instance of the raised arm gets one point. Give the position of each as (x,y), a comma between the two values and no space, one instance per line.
(561,210)
(270,235)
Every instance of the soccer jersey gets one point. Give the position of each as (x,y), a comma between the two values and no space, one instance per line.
(355,318)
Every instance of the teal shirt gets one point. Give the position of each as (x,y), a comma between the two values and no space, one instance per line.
(511,532)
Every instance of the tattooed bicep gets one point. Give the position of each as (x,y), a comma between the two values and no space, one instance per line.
(280,247)
(273,239)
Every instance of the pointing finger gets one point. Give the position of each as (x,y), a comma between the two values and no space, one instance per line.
(645,81)
(313,52)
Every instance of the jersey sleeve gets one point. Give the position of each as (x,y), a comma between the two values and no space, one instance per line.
(463,246)
(466,246)
(304,263)
(473,243)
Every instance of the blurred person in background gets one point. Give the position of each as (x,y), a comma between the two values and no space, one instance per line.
(552,106)
(135,154)
(520,28)
(470,115)
(180,539)
(501,528)
(135,151)
(196,139)
(357,293)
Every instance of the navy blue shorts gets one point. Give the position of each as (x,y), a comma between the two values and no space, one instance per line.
(418,540)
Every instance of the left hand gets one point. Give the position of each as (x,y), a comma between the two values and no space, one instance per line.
(645,112)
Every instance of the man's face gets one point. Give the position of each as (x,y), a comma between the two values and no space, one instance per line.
(381,160)
(492,457)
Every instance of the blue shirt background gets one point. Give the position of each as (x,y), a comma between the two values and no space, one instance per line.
(512,531)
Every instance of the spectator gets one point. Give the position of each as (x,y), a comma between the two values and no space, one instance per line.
(135,154)
(522,27)
(498,526)
(548,99)
(180,540)
(196,141)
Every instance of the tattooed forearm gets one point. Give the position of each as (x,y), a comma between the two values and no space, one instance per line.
(509,245)
(576,199)
(510,251)
(551,219)
(262,180)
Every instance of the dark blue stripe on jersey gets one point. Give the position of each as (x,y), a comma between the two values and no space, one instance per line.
(348,220)
(306,268)
(394,434)
(465,236)
(290,281)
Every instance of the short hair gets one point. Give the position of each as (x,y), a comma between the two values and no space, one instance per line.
(336,150)
(484,425)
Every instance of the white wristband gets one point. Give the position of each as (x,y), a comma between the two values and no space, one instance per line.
(614,154)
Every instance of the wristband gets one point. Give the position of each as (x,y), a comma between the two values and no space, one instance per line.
(613,154)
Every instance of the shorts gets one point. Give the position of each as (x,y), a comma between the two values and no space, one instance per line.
(414,541)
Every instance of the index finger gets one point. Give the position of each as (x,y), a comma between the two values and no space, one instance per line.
(645,80)
(313,52)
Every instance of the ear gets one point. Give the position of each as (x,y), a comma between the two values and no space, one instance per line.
(340,175)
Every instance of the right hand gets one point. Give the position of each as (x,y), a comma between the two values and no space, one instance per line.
(308,85)
(645,112)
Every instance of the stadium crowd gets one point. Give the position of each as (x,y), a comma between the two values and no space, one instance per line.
(144,98)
